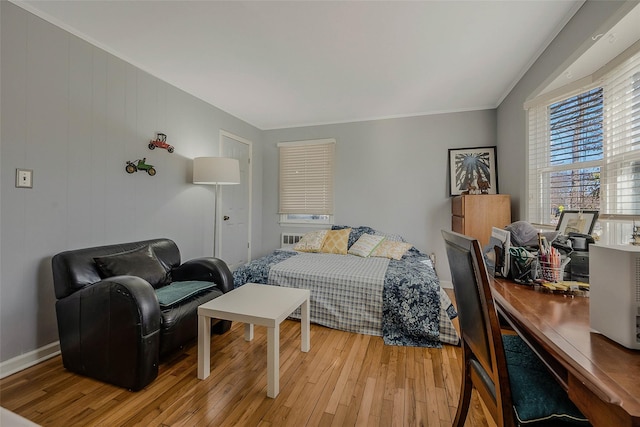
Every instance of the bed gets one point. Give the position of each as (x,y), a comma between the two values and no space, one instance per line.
(398,298)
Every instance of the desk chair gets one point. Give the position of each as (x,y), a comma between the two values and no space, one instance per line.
(511,380)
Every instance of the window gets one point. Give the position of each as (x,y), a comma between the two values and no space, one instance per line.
(566,159)
(584,149)
(306,181)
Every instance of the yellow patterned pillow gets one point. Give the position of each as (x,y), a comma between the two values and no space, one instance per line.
(389,249)
(311,242)
(336,241)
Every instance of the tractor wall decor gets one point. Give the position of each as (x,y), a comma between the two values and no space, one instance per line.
(161,142)
(136,165)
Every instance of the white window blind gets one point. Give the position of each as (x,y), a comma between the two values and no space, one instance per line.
(584,148)
(306,177)
(621,170)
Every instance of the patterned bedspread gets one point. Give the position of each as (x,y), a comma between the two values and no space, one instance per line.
(399,300)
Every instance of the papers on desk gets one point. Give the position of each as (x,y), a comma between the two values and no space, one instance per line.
(567,286)
(502,239)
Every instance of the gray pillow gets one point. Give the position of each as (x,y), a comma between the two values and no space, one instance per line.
(138,262)
(525,234)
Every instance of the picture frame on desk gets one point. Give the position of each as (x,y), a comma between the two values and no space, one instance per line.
(473,171)
(572,221)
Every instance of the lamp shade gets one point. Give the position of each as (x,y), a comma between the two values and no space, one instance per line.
(216,170)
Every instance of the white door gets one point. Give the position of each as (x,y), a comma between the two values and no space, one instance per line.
(234,216)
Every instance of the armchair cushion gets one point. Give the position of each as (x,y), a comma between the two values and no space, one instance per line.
(140,262)
(176,292)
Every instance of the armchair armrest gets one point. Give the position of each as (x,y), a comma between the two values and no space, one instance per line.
(111,331)
(205,269)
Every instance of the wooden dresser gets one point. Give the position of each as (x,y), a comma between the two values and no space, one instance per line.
(474,214)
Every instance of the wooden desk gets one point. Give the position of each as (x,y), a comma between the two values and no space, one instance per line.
(601,377)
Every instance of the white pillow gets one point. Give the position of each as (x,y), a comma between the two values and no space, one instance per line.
(365,245)
(311,241)
(390,237)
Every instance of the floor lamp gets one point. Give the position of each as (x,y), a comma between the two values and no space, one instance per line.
(216,171)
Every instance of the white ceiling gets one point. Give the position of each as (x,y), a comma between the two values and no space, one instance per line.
(285,64)
(606,47)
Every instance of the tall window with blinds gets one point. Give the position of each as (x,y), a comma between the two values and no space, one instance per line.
(568,157)
(584,148)
(306,181)
(621,172)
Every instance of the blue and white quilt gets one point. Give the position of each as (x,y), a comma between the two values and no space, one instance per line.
(400,300)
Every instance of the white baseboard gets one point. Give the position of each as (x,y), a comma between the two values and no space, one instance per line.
(24,361)
(446,284)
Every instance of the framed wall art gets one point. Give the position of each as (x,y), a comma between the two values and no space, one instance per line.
(473,171)
(576,222)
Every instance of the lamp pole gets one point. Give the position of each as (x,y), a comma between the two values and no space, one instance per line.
(215,220)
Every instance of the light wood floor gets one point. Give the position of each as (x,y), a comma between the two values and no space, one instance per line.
(345,380)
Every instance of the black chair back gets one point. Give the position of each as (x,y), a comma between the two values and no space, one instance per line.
(484,364)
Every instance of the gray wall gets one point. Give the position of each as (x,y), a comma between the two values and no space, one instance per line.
(391,175)
(74,114)
(592,18)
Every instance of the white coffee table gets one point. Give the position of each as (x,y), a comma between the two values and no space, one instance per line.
(254,304)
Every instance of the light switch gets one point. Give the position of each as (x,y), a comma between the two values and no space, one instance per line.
(24,178)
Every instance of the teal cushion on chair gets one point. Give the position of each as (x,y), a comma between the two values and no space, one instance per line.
(537,398)
(177,292)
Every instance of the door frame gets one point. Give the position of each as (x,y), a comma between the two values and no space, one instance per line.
(224,133)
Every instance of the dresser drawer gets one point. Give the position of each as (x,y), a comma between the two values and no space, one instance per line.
(474,215)
(457,224)
(457,206)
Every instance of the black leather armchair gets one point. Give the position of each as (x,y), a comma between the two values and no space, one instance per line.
(111,324)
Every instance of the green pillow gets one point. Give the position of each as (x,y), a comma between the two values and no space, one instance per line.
(537,397)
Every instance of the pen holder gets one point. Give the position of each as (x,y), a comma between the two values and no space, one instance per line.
(550,270)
